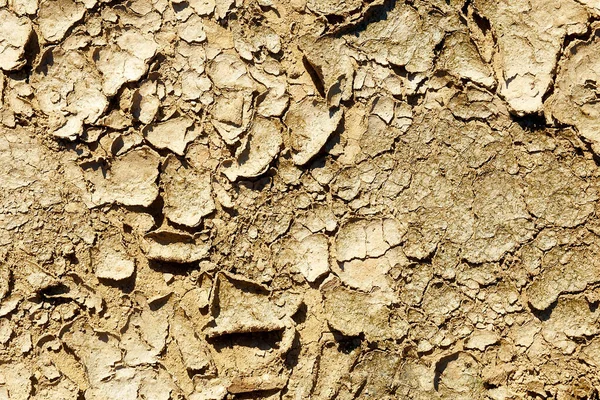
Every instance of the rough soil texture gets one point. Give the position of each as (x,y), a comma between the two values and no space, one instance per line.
(299,199)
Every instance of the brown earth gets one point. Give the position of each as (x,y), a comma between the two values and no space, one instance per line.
(299,199)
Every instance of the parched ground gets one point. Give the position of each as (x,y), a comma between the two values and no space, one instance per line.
(299,199)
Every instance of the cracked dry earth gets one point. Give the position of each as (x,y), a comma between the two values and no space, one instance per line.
(299,199)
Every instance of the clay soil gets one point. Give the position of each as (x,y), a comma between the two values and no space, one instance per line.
(299,199)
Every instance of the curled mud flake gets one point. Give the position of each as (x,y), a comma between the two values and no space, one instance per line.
(503,221)
(312,256)
(118,67)
(24,7)
(173,246)
(573,317)
(172,134)
(398,234)
(196,299)
(187,192)
(192,31)
(119,144)
(384,107)
(481,339)
(310,124)
(328,7)
(242,306)
(14,35)
(404,38)
(88,103)
(56,17)
(194,351)
(127,61)
(232,113)
(354,313)
(563,271)
(114,265)
(330,60)
(275,100)
(557,195)
(202,7)
(222,8)
(574,100)
(145,337)
(138,44)
(228,71)
(363,238)
(194,85)
(461,59)
(145,107)
(458,375)
(9,305)
(266,382)
(130,179)
(71,129)
(518,27)
(260,148)
(40,281)
(69,92)
(15,381)
(86,106)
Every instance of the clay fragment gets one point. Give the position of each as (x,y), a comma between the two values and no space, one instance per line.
(259,150)
(14,35)
(241,306)
(130,179)
(187,192)
(312,256)
(172,134)
(353,313)
(227,71)
(310,124)
(525,79)
(114,266)
(126,60)
(173,246)
(193,350)
(573,101)
(55,18)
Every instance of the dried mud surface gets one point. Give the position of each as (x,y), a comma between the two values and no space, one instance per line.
(294,199)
